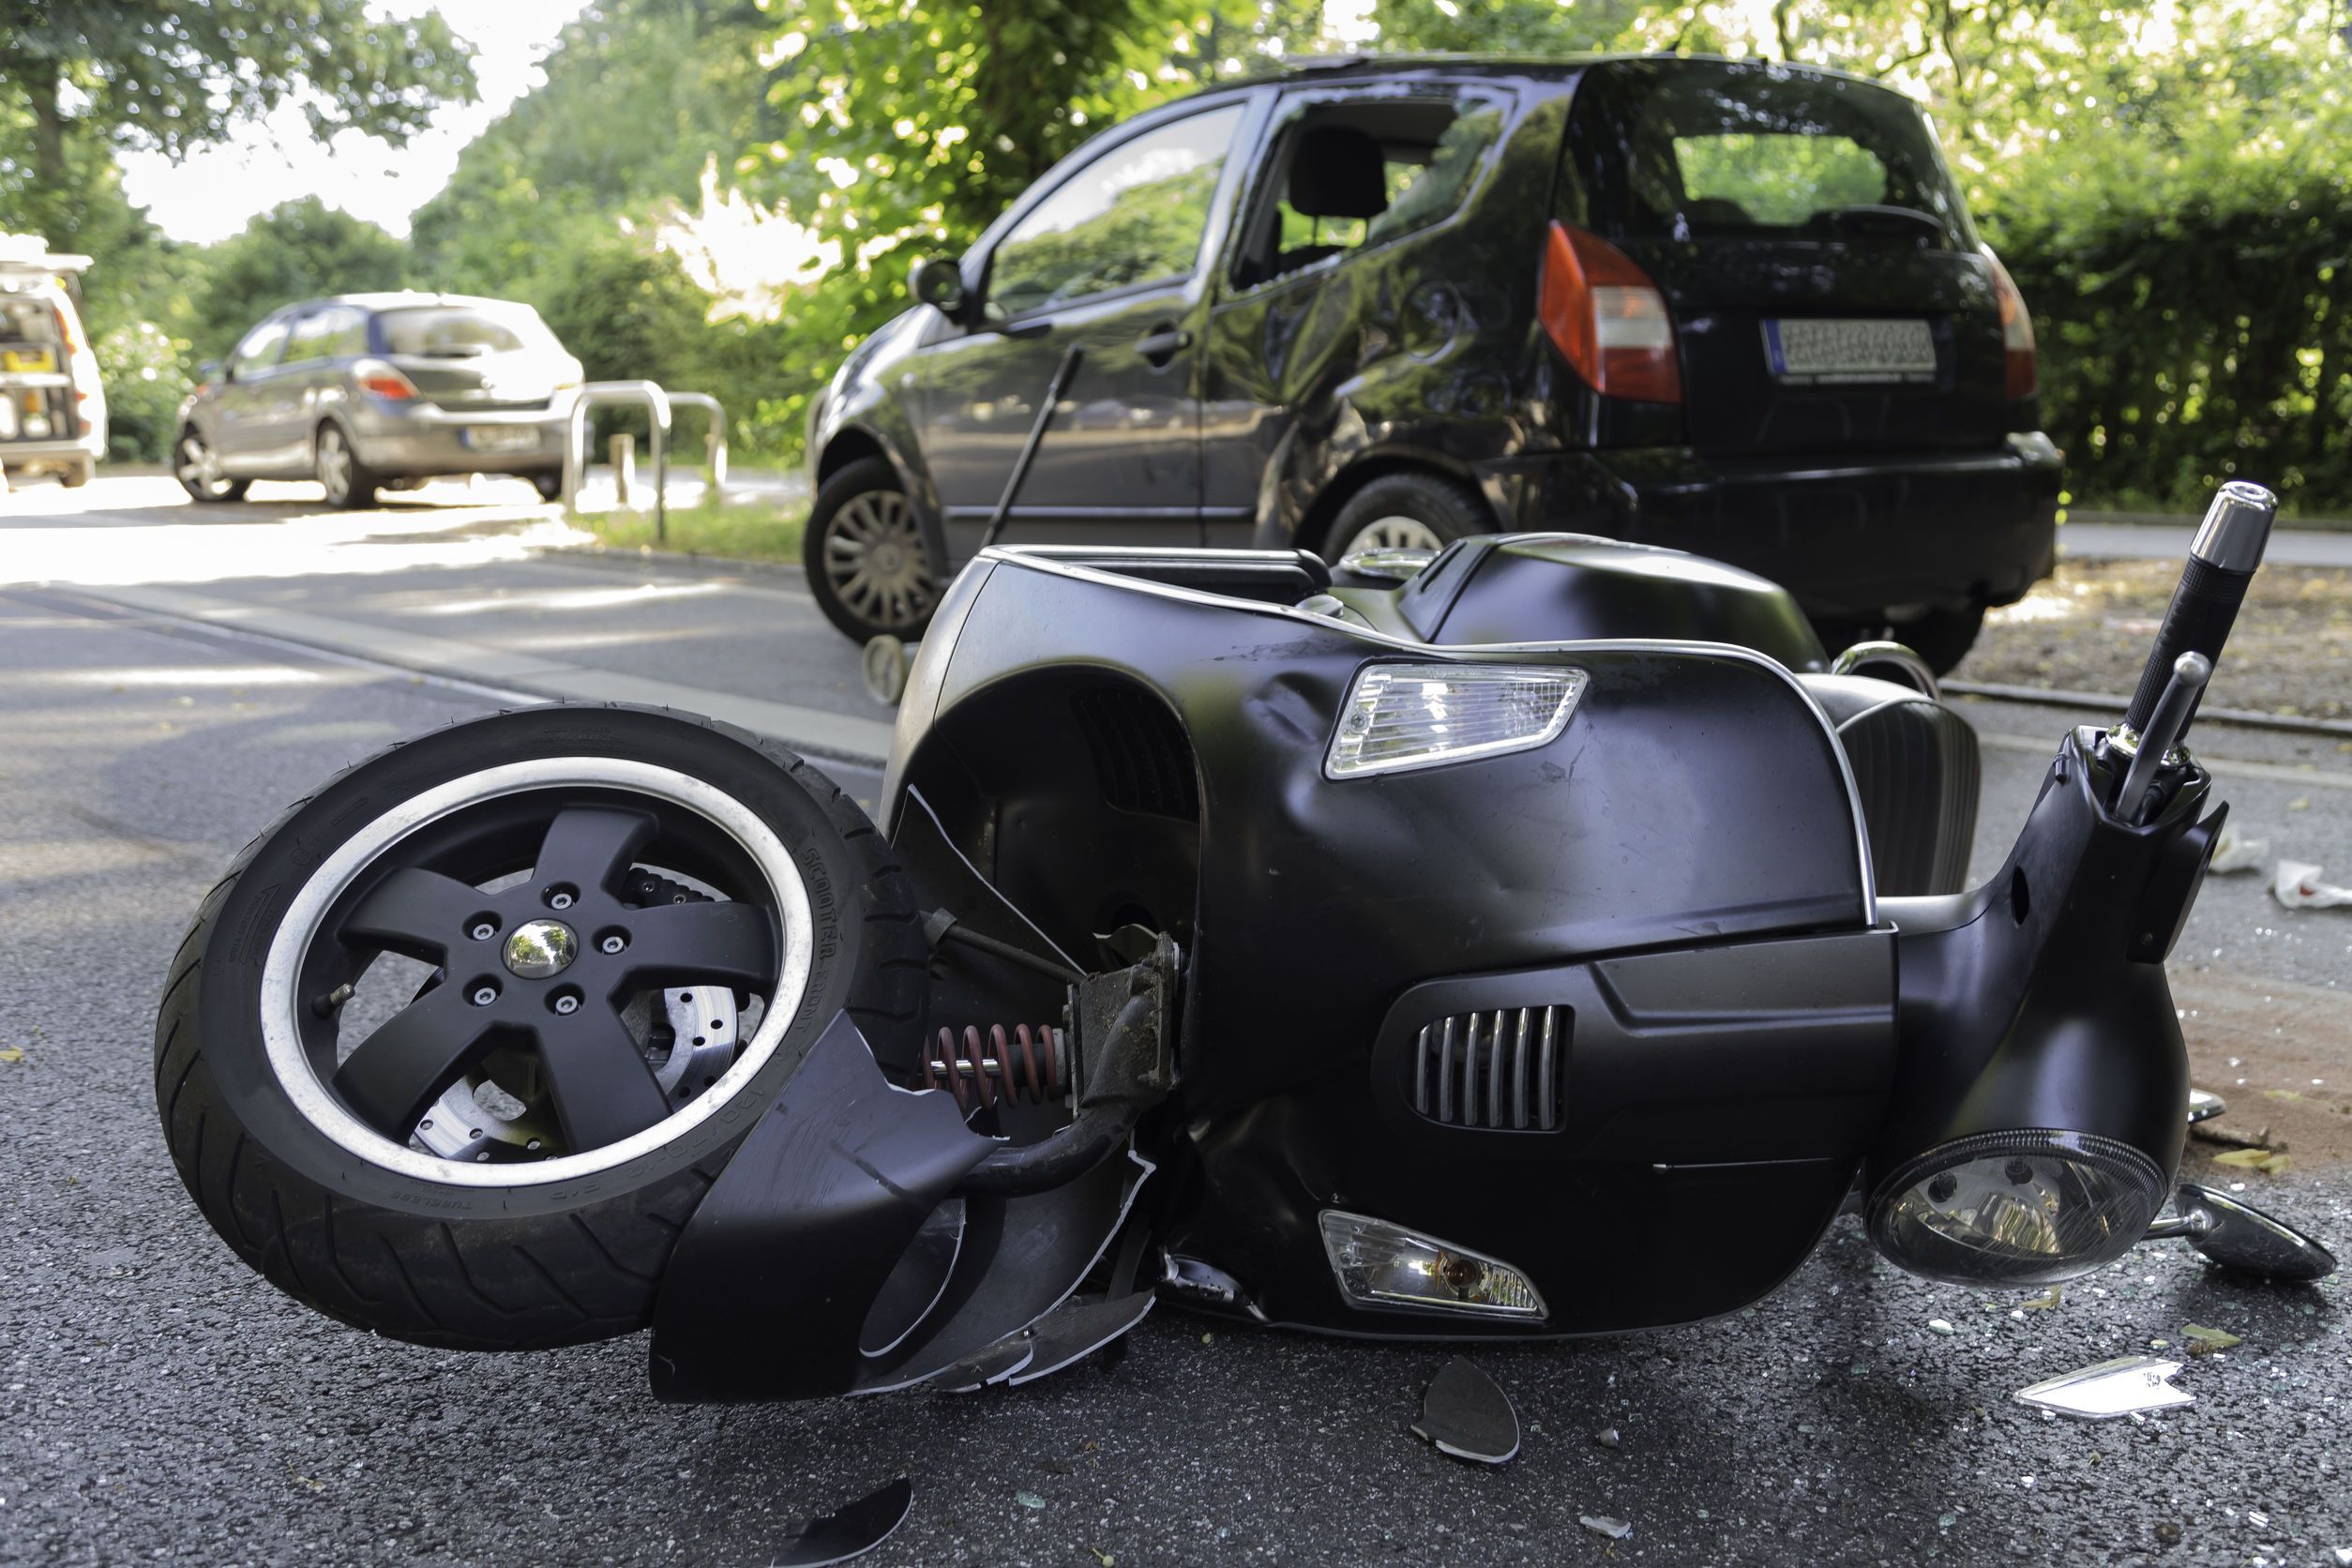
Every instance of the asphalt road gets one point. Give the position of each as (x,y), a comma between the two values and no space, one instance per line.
(159,1403)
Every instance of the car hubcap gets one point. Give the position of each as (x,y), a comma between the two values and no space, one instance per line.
(875,561)
(536,971)
(197,468)
(333,464)
(1394,532)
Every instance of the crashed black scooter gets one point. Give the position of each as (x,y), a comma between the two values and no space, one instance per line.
(1537,940)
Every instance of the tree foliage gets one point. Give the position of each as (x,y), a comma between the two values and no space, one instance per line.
(293,251)
(171,76)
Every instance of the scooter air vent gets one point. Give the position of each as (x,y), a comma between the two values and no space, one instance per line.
(1142,761)
(1497,1069)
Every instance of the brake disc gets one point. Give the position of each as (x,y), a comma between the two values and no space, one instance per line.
(500,1112)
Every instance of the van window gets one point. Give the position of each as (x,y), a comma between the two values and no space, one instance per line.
(1694,151)
(1351,173)
(1133,215)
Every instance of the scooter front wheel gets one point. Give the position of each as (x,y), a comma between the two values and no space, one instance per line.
(459,1045)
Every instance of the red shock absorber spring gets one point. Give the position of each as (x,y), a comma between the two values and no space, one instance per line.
(1006,1068)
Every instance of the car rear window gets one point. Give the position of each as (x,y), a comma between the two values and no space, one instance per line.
(1704,151)
(464,331)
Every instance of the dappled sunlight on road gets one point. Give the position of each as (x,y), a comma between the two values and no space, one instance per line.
(123,531)
(532,601)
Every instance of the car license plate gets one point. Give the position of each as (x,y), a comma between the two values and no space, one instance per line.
(503,438)
(28,359)
(1812,350)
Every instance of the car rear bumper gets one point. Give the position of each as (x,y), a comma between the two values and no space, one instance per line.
(47,454)
(417,441)
(1848,535)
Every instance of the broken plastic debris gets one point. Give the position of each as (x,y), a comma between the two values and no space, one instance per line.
(1936,1326)
(2299,887)
(2234,853)
(1606,1437)
(852,1531)
(1468,1416)
(2049,1299)
(2127,1385)
(2204,1341)
(2344,1557)
(1616,1529)
(2204,1104)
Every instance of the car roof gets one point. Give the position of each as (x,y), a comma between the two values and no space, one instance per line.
(402,299)
(1554,68)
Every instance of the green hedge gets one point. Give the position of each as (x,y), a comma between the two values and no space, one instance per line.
(2194,314)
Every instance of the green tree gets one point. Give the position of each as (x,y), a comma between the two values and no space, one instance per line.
(293,251)
(640,96)
(80,78)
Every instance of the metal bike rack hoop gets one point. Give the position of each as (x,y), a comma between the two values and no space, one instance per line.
(659,403)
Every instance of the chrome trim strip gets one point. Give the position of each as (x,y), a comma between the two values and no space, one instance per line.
(1028,559)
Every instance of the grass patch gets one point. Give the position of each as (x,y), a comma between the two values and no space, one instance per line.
(745,530)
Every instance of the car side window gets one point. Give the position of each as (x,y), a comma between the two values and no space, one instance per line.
(328,333)
(1133,215)
(1351,173)
(259,351)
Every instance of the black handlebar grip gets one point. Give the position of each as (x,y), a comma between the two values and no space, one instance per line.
(2221,561)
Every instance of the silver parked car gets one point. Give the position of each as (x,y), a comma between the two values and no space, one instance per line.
(364,392)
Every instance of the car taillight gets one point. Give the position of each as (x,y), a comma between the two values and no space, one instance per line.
(1607,317)
(383,381)
(2023,376)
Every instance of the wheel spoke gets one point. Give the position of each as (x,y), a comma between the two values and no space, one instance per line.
(711,944)
(592,846)
(598,1078)
(421,913)
(404,1066)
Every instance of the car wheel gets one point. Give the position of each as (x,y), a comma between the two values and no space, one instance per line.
(869,567)
(340,473)
(550,486)
(1407,511)
(458,1046)
(76,476)
(197,467)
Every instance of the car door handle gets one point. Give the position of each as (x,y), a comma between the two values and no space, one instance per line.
(1162,343)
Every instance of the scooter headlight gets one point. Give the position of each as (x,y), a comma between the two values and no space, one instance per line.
(1419,716)
(2028,1207)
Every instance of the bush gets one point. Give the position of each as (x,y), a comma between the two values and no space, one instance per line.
(141,366)
(2194,312)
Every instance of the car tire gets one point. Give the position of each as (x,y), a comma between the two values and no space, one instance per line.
(335,463)
(194,466)
(550,486)
(76,476)
(1414,510)
(869,568)
(408,1238)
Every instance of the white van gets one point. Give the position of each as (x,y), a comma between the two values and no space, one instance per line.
(52,409)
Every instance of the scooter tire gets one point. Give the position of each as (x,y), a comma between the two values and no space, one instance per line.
(387,1248)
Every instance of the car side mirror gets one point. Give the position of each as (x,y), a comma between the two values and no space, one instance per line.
(939,282)
(211,370)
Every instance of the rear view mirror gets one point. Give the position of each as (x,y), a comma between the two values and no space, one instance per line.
(939,281)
